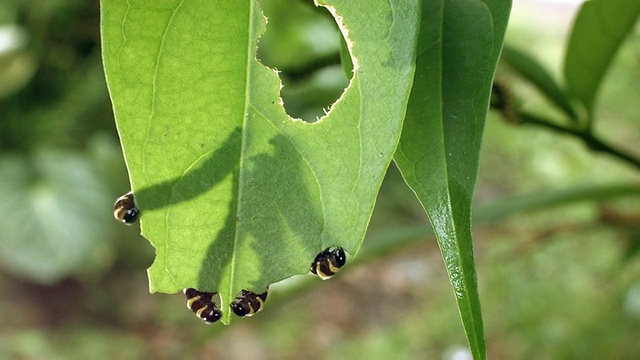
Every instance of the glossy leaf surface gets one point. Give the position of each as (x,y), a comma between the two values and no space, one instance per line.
(459,45)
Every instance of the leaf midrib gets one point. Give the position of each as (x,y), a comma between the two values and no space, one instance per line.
(243,143)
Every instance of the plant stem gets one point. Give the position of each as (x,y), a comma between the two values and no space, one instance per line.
(591,141)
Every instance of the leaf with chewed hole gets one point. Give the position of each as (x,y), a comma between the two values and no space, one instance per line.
(458,48)
(235,194)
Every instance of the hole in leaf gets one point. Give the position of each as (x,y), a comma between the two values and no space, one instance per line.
(303,42)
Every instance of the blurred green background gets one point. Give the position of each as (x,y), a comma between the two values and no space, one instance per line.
(556,236)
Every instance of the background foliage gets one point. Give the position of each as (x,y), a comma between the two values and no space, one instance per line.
(555,234)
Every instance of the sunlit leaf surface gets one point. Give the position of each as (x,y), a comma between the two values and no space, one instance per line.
(235,194)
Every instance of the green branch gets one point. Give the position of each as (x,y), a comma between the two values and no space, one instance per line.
(591,141)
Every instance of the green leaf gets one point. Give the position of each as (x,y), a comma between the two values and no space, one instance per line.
(530,69)
(458,48)
(598,31)
(347,65)
(235,194)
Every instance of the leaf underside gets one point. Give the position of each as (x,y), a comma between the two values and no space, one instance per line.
(235,194)
(458,47)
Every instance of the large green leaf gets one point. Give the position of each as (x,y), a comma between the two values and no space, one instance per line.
(597,33)
(458,47)
(235,194)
